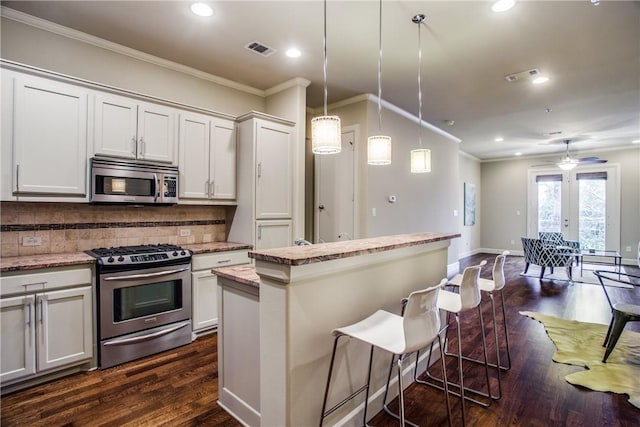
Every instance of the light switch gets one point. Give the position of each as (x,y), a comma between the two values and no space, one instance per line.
(373,212)
(455,212)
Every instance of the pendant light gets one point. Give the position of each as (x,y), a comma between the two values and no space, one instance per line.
(421,157)
(379,146)
(326,136)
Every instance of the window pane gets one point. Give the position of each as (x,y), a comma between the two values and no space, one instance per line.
(592,213)
(549,205)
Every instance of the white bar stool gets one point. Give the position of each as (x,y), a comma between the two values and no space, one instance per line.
(489,287)
(398,335)
(455,303)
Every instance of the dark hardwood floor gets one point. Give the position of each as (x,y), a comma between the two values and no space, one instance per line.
(179,387)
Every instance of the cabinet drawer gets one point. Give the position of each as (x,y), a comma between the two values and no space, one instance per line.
(219,259)
(20,283)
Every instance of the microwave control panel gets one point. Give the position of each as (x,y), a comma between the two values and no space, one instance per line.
(170,186)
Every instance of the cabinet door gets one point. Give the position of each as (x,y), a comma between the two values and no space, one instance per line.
(50,137)
(17,341)
(64,327)
(194,156)
(115,126)
(205,299)
(223,158)
(274,171)
(273,234)
(156,138)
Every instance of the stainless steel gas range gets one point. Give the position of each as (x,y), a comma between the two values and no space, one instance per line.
(144,301)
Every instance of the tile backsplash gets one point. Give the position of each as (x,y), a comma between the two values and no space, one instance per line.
(71,227)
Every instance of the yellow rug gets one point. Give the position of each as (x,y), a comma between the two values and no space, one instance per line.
(580,344)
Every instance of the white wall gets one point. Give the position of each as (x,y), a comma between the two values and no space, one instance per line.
(504,185)
(470,241)
(37,47)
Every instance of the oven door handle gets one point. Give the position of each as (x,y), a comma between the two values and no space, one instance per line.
(146,337)
(143,276)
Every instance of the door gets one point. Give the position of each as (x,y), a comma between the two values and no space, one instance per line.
(50,138)
(194,156)
(17,342)
(64,327)
(583,204)
(205,299)
(223,159)
(274,179)
(335,192)
(156,138)
(115,127)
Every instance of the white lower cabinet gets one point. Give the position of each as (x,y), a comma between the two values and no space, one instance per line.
(46,330)
(273,234)
(204,285)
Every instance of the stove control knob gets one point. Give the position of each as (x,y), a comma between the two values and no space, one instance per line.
(175,253)
(183,253)
(110,259)
(120,258)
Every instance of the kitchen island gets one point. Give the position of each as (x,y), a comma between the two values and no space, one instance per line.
(304,292)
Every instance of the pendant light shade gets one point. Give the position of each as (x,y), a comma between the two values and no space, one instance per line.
(379,150)
(326,135)
(420,160)
(379,146)
(421,157)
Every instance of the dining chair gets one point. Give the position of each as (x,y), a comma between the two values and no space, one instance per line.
(622,313)
(399,335)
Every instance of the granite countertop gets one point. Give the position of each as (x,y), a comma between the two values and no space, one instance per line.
(203,248)
(32,262)
(300,255)
(245,274)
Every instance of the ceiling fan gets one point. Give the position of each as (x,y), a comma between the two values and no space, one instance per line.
(567,162)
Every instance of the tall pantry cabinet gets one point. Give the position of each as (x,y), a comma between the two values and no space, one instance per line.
(264,214)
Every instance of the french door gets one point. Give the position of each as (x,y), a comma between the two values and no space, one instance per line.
(583,204)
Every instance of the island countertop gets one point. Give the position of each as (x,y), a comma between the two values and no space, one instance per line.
(245,274)
(300,255)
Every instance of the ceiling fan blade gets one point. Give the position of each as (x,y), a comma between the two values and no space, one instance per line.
(591,160)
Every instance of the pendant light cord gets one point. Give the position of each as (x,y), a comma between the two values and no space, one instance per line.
(324,40)
(419,86)
(380,71)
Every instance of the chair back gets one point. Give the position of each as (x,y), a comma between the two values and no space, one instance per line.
(553,238)
(532,250)
(421,319)
(469,288)
(498,271)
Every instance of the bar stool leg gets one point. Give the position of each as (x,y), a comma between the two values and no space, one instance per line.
(506,335)
(326,390)
(618,323)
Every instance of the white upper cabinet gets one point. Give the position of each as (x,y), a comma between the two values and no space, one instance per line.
(49,137)
(131,129)
(207,160)
(274,178)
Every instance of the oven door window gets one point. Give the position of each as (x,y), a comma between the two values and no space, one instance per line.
(146,300)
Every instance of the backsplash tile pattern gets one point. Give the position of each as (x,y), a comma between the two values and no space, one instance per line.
(70,227)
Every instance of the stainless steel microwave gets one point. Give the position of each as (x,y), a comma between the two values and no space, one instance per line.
(114,181)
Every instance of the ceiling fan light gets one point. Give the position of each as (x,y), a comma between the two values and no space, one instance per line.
(420,160)
(567,163)
(326,136)
(379,150)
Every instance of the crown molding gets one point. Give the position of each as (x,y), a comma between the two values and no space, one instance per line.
(295,82)
(123,50)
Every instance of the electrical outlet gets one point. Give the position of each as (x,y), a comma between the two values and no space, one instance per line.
(513,242)
(185,232)
(31,241)
(628,248)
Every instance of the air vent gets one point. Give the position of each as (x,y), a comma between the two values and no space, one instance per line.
(534,72)
(260,48)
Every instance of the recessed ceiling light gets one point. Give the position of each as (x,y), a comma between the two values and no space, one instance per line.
(499,139)
(201,9)
(540,80)
(293,53)
(636,141)
(517,154)
(503,5)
